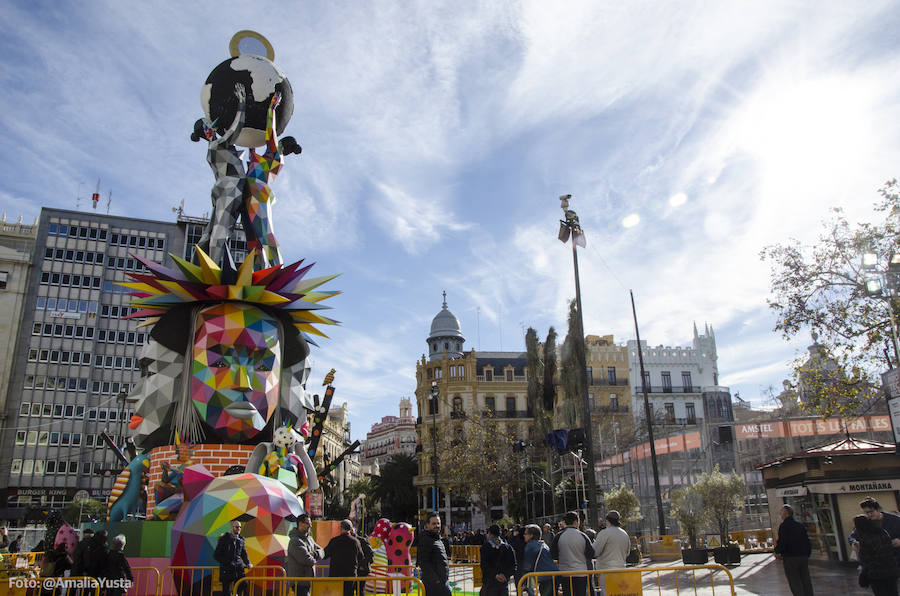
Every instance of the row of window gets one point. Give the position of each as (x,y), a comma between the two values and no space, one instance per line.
(82,358)
(38,409)
(610,375)
(73,256)
(76,384)
(126,264)
(59,356)
(121,337)
(71,281)
(111,287)
(51,330)
(39,467)
(76,231)
(137,241)
(112,311)
(82,306)
(43,438)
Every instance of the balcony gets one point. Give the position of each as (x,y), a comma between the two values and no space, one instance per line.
(669,389)
(501,378)
(457,415)
(598,382)
(672,421)
(507,413)
(612,409)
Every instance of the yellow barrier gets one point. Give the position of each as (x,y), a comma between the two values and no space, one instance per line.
(204,580)
(465,553)
(146,582)
(662,548)
(629,582)
(760,540)
(63,586)
(27,560)
(457,575)
(321,586)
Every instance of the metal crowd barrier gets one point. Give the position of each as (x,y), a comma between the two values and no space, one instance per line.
(674,580)
(755,541)
(285,586)
(67,586)
(146,582)
(465,553)
(204,580)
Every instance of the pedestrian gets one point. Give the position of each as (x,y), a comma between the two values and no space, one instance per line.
(231,554)
(365,564)
(612,544)
(118,571)
(96,554)
(346,556)
(574,551)
(536,557)
(793,548)
(303,553)
(517,542)
(80,549)
(16,545)
(432,559)
(56,562)
(547,533)
(873,546)
(4,539)
(498,564)
(890,523)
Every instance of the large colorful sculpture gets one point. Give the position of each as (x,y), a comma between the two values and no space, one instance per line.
(226,366)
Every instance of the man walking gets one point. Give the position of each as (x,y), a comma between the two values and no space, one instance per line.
(231,554)
(303,552)
(432,559)
(793,548)
(574,551)
(346,556)
(612,544)
(498,564)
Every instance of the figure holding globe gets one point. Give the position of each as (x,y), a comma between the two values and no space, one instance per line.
(228,168)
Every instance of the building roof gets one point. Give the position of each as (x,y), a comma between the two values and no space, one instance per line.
(445,324)
(846,446)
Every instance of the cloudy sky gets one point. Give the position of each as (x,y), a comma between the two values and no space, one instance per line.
(437,137)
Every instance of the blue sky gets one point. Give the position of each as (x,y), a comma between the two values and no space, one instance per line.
(437,137)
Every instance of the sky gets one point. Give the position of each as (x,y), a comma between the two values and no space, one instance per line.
(438,136)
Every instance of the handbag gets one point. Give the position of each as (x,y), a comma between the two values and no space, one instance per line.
(863,577)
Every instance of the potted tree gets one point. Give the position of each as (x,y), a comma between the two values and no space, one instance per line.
(623,500)
(687,508)
(722,495)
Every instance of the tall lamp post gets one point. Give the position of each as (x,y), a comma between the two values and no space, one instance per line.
(433,399)
(571,228)
(885,284)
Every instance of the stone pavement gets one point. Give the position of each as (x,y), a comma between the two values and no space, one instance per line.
(763,574)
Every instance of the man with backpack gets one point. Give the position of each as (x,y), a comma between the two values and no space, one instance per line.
(574,551)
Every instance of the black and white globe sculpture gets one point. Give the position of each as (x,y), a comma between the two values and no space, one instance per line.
(261,79)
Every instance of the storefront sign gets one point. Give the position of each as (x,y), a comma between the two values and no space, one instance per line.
(764,430)
(862,486)
(64,314)
(791,491)
(808,427)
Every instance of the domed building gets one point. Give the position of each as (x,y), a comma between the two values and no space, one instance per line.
(467,384)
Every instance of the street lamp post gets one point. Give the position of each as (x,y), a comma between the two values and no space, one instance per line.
(570,227)
(435,392)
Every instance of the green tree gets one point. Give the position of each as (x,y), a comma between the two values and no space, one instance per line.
(87,508)
(571,373)
(550,363)
(363,487)
(623,500)
(722,495)
(480,463)
(823,288)
(394,488)
(687,508)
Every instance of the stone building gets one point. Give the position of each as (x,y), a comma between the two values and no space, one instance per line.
(393,435)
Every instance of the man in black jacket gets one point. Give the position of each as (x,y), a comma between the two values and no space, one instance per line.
(346,556)
(498,564)
(793,548)
(231,553)
(431,558)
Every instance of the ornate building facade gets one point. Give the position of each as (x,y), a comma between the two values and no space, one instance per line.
(393,435)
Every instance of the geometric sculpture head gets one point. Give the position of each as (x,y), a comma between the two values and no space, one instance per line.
(235,369)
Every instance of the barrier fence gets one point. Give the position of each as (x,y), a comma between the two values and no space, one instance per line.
(286,586)
(146,581)
(676,580)
(204,580)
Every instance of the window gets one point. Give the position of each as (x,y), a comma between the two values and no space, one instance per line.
(670,413)
(488,374)
(36,409)
(509,375)
(50,466)
(457,404)
(43,437)
(28,466)
(690,413)
(54,438)
(611,374)
(490,404)
(4,278)
(38,467)
(16,466)
(647,381)
(667,381)
(686,381)
(20,437)
(24,409)
(613,401)
(510,405)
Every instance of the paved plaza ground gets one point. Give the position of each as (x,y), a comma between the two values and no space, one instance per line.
(763,574)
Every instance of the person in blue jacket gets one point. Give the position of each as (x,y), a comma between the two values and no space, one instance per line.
(498,564)
(537,558)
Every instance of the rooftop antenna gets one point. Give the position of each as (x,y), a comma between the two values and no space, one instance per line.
(78,196)
(179,209)
(108,201)
(478,325)
(500,323)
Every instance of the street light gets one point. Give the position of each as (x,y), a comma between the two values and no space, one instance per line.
(433,399)
(570,227)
